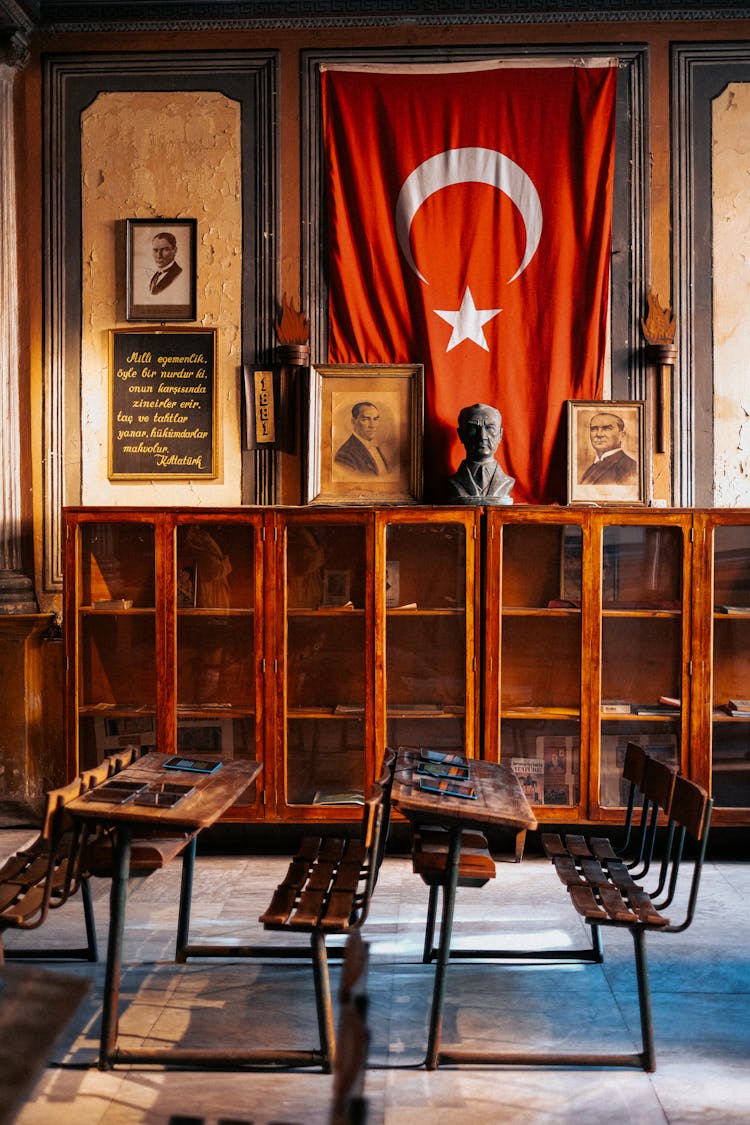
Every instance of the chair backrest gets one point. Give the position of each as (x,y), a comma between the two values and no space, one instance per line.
(62,839)
(632,771)
(55,818)
(95,776)
(385,781)
(690,818)
(123,758)
(657,788)
(372,824)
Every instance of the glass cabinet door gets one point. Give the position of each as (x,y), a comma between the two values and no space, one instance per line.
(217,575)
(327,622)
(643,577)
(537,569)
(730,646)
(428,583)
(114,602)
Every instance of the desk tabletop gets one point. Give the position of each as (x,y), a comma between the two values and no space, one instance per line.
(500,801)
(212,794)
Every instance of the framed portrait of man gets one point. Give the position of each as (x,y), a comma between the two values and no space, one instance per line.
(161,269)
(365,429)
(608,460)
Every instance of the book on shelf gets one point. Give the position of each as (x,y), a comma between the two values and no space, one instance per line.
(616,707)
(339,797)
(113,603)
(670,701)
(732,609)
(739,705)
(655,709)
(530,774)
(349,709)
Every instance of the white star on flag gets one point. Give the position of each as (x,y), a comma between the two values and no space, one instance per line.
(468,322)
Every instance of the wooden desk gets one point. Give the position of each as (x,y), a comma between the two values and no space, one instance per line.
(500,803)
(35,1006)
(212,795)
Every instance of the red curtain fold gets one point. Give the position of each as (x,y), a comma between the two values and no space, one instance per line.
(469,223)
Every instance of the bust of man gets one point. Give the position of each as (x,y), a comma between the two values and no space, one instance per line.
(479,478)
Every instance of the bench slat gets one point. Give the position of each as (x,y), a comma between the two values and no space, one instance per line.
(280,906)
(308,909)
(338,911)
(583,899)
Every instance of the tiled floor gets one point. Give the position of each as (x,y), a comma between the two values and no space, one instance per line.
(700,985)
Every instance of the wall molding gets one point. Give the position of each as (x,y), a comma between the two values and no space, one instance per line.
(700,72)
(71,82)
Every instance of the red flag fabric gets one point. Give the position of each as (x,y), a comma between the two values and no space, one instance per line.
(469,218)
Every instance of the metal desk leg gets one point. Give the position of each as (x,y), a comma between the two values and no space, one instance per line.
(117,900)
(444,949)
(186,898)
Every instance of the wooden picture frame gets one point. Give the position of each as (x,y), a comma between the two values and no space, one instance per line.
(161,269)
(608,460)
(375,454)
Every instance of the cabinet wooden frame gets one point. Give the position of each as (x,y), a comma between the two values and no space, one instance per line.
(158,625)
(657,630)
(606,614)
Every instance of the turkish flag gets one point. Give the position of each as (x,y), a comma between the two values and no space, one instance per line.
(469,219)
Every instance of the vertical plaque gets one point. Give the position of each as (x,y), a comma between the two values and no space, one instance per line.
(265,421)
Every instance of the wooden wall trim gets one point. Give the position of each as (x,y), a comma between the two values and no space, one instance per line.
(700,71)
(70,83)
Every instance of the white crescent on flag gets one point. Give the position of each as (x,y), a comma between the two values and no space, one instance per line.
(469,165)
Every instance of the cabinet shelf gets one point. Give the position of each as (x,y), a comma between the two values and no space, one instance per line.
(133,611)
(113,710)
(645,612)
(426,611)
(541,611)
(208,611)
(213,711)
(326,611)
(541,713)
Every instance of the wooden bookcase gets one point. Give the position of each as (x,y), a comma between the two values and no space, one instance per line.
(301,637)
(589,626)
(309,637)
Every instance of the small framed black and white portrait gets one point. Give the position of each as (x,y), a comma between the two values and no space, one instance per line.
(161,269)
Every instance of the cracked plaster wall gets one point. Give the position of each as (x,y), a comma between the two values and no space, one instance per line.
(172,155)
(731,294)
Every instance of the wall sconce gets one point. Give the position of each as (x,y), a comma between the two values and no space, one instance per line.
(659,329)
(271,393)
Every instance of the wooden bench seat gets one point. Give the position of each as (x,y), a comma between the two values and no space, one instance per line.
(326,891)
(610,896)
(654,781)
(42,876)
